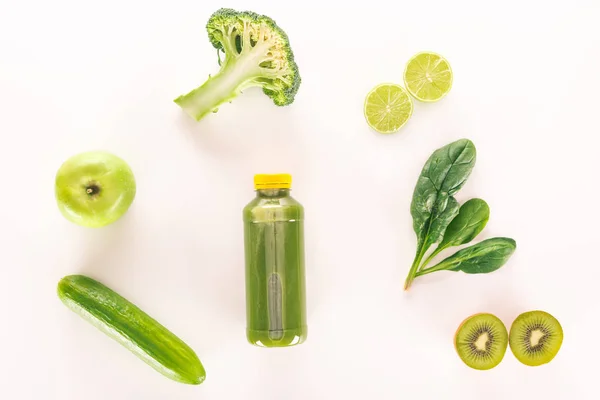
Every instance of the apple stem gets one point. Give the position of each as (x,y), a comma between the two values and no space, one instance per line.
(92,190)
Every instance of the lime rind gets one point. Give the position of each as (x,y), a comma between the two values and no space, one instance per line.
(387,108)
(428,76)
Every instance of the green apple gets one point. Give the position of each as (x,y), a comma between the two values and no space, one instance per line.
(94,188)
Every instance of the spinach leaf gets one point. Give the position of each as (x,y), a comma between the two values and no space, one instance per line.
(444,174)
(433,206)
(481,258)
(470,221)
(438,225)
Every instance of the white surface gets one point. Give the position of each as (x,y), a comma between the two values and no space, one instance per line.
(76,76)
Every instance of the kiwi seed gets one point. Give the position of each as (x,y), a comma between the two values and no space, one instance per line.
(535,338)
(481,341)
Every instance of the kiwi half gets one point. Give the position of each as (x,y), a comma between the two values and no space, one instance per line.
(535,338)
(481,341)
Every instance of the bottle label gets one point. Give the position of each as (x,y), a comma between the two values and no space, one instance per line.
(275,301)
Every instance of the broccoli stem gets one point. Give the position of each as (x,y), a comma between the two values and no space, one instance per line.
(217,90)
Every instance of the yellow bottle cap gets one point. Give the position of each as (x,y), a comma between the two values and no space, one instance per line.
(272,181)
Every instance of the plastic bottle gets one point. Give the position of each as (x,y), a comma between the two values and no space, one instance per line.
(275,271)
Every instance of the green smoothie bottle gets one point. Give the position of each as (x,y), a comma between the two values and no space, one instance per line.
(274,252)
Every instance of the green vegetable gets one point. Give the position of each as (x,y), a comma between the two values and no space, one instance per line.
(439,219)
(131,327)
(433,206)
(470,221)
(257,53)
(481,258)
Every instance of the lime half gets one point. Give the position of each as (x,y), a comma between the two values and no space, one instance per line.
(428,76)
(387,107)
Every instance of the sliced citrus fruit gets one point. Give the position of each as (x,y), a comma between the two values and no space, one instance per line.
(388,107)
(428,76)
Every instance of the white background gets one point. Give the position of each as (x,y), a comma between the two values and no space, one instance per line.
(78,76)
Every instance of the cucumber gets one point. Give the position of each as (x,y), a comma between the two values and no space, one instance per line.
(133,328)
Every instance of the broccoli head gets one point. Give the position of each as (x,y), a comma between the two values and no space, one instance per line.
(252,52)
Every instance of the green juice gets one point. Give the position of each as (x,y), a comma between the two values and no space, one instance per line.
(275,276)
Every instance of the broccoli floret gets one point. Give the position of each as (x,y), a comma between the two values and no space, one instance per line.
(256,53)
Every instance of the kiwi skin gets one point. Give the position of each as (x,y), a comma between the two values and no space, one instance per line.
(464,321)
(502,341)
(552,340)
